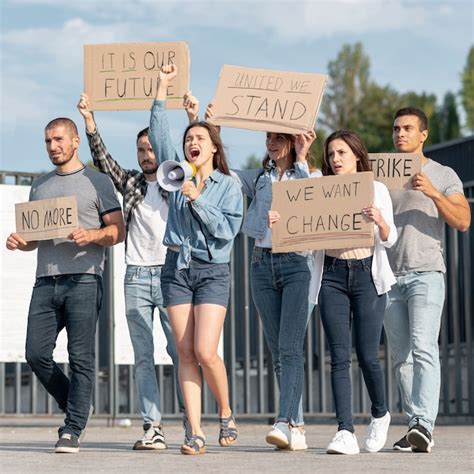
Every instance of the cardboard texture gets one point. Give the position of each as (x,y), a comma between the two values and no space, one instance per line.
(267,100)
(47,218)
(395,170)
(124,76)
(323,213)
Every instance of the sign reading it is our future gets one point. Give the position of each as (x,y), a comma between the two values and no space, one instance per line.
(124,76)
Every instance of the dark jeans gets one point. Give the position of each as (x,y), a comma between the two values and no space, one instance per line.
(71,302)
(346,287)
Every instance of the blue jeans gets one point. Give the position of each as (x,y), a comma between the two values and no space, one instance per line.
(346,287)
(72,302)
(280,288)
(412,324)
(142,296)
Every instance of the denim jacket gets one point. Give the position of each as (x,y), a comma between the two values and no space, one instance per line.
(206,227)
(257,184)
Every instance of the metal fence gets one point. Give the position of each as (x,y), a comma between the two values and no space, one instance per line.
(253,388)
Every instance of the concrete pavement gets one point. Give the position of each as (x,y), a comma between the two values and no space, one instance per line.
(26,445)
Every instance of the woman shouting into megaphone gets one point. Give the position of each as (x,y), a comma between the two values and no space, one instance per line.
(204,218)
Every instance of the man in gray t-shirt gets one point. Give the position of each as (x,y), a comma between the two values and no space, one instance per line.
(413,315)
(68,288)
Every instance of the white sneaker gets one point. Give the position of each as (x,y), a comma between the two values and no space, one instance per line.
(297,440)
(377,433)
(279,435)
(344,442)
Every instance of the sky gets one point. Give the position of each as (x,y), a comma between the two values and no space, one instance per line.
(418,45)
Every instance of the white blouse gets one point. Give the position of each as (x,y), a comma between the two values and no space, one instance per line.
(381,272)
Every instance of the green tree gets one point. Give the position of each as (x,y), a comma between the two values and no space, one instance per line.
(467,91)
(253,162)
(450,126)
(348,83)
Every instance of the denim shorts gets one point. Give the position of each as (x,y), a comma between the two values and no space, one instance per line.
(201,283)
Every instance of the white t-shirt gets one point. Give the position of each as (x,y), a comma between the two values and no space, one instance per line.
(147,228)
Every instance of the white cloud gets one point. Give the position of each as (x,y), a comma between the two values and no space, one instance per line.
(285,20)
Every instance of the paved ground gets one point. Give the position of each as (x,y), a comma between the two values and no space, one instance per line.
(26,445)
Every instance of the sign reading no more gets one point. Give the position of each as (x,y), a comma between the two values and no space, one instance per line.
(46,219)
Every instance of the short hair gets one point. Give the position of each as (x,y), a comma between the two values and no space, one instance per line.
(142,133)
(355,143)
(422,119)
(63,122)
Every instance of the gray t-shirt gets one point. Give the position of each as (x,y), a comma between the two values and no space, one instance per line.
(419,226)
(95,197)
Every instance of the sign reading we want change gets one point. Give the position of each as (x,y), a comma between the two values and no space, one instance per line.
(395,170)
(267,100)
(124,76)
(46,219)
(323,213)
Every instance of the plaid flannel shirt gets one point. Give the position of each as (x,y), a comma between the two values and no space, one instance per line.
(131,184)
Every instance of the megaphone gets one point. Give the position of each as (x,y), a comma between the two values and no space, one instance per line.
(171,174)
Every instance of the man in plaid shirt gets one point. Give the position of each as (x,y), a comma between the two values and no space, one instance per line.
(145,206)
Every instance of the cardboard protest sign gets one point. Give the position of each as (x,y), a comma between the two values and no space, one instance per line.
(47,218)
(263,99)
(395,170)
(124,76)
(323,213)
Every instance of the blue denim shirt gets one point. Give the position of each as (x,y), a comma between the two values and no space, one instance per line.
(206,227)
(260,191)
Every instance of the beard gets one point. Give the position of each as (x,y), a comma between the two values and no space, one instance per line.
(61,159)
(149,170)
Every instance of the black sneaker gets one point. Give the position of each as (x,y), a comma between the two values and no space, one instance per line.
(153,438)
(403,445)
(420,439)
(67,443)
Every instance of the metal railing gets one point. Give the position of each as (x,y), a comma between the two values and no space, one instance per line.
(252,384)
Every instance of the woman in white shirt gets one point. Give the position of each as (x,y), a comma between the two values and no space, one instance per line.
(352,286)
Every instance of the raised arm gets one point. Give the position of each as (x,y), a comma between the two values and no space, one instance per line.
(159,132)
(100,155)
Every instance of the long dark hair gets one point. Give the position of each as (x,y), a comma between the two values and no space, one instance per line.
(219,160)
(355,143)
(291,138)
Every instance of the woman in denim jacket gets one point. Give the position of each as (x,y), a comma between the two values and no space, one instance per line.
(204,217)
(355,281)
(280,281)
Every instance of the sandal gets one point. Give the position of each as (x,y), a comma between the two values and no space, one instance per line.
(227,432)
(194,445)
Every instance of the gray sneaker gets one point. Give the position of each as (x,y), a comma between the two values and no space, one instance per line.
(67,443)
(83,432)
(153,438)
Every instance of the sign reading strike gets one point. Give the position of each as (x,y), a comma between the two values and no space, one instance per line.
(263,99)
(395,170)
(124,76)
(47,218)
(323,213)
